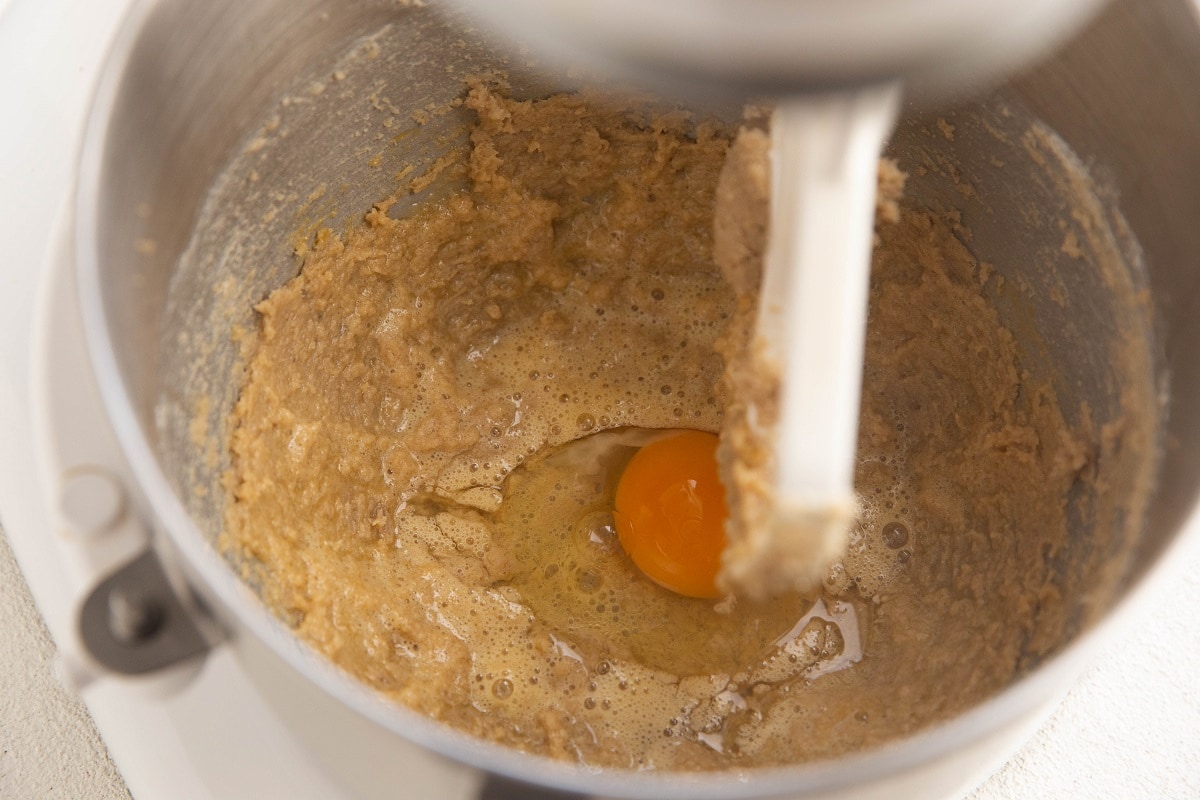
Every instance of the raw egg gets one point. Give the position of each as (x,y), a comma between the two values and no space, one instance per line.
(670,513)
(564,556)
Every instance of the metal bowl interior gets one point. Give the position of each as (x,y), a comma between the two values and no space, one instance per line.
(224,132)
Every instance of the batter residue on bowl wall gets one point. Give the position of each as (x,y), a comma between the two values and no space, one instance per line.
(437,406)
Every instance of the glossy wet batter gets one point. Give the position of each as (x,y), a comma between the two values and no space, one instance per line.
(437,408)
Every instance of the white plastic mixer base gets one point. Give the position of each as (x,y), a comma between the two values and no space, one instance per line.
(1127,730)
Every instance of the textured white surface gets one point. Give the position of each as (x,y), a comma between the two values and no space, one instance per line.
(49,748)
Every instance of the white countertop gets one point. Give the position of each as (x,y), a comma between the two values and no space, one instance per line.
(1130,728)
(51,749)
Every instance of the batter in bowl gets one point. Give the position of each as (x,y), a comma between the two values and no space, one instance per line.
(437,408)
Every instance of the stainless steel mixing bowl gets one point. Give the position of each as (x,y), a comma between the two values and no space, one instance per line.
(224,132)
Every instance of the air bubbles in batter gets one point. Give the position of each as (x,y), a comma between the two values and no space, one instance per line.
(895,535)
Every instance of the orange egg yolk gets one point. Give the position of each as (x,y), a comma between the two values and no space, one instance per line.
(670,513)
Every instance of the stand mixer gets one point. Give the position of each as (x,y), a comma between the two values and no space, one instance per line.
(111,127)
